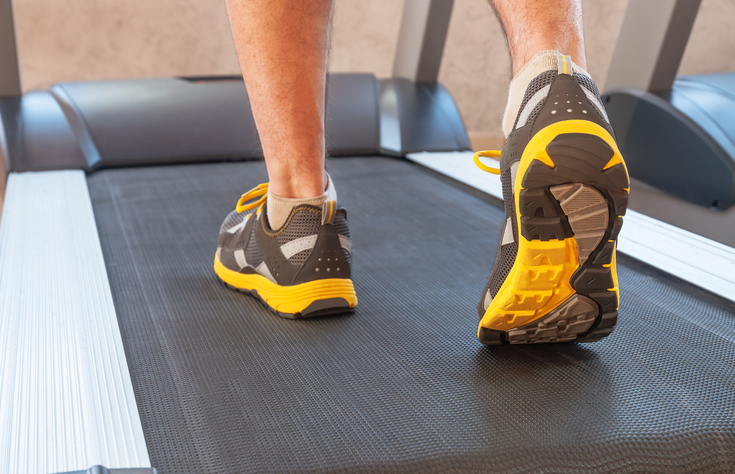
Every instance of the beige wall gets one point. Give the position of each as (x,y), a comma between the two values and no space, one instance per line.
(66,40)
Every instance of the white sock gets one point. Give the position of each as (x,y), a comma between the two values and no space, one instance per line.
(279,208)
(543,61)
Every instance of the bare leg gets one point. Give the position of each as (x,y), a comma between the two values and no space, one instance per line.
(282,46)
(532,26)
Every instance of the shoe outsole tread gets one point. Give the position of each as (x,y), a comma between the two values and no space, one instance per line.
(582,163)
(318,308)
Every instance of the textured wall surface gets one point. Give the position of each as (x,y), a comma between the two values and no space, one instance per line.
(69,40)
(66,40)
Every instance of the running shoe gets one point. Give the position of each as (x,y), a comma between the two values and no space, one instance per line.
(565,187)
(301,270)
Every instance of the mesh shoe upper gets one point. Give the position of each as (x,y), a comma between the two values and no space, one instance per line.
(306,248)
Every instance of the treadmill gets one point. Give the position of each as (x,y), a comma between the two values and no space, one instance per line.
(121,353)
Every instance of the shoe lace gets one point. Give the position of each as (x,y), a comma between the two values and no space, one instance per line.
(495,154)
(260,192)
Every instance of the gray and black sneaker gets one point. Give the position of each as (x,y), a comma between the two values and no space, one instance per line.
(301,270)
(565,187)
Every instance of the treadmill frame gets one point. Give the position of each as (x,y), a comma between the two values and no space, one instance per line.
(420,51)
(651,65)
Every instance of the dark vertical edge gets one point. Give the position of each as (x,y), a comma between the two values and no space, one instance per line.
(421,39)
(9,70)
(651,43)
(435,36)
(10,89)
(675,42)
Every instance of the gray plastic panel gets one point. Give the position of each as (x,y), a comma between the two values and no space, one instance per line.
(419,117)
(36,135)
(179,120)
(725,82)
(402,385)
(104,124)
(682,142)
(709,100)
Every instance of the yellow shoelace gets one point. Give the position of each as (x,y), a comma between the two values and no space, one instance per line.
(260,192)
(487,154)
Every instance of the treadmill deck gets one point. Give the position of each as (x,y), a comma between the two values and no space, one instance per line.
(222,385)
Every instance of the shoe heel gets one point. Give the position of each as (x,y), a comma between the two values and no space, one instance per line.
(571,192)
(305,300)
(589,183)
(311,299)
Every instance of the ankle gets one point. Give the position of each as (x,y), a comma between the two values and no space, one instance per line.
(543,61)
(280,207)
(297,187)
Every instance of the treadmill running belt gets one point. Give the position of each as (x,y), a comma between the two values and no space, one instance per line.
(402,385)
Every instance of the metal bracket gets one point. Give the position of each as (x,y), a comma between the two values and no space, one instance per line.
(651,44)
(421,39)
(9,72)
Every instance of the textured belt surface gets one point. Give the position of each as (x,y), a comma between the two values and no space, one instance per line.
(403,384)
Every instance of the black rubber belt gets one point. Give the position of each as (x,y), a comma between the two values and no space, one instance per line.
(401,385)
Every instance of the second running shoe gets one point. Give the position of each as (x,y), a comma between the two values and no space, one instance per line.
(565,187)
(301,270)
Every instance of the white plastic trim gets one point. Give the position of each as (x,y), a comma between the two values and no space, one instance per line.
(691,257)
(66,398)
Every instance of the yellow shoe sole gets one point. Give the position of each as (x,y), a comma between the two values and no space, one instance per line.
(570,191)
(306,300)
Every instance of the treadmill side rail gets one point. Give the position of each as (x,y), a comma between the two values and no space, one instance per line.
(103,470)
(66,395)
